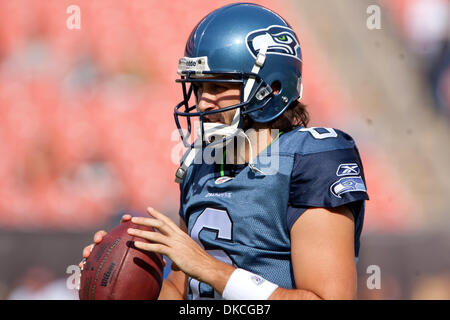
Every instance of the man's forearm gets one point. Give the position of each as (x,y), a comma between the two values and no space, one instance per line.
(169,291)
(216,273)
(293,294)
(219,274)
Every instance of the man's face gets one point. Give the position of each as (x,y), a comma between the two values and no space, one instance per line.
(214,96)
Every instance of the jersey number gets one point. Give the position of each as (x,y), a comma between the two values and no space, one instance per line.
(218,221)
(317,135)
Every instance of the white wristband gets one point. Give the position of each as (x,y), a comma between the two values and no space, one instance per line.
(244,285)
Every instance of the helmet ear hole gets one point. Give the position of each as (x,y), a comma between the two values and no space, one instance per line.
(276,87)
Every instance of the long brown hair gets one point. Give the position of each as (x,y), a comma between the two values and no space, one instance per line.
(294,116)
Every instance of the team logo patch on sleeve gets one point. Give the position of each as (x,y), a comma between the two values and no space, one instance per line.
(347,169)
(347,184)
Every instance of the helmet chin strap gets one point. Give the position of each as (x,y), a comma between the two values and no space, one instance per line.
(217,135)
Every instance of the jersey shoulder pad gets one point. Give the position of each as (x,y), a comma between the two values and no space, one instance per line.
(314,140)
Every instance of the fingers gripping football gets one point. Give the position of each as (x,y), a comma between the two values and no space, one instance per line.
(98,237)
(162,240)
(171,241)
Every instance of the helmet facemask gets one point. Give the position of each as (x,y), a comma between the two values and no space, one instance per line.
(254,96)
(218,133)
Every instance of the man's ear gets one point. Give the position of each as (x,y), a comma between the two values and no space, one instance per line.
(276,87)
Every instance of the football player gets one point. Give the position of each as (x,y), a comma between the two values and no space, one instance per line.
(278,213)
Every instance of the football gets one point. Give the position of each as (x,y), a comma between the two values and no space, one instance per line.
(117,270)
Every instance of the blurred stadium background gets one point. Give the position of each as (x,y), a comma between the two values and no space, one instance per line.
(86,127)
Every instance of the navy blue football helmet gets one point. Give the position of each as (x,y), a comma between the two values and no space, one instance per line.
(247,44)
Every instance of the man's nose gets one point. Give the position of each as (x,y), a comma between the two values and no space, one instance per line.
(207,102)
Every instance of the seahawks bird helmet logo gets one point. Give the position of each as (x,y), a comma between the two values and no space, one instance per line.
(279,40)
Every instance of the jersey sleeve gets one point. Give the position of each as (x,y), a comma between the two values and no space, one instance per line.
(328,177)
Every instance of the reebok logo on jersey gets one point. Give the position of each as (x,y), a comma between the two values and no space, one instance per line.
(347,169)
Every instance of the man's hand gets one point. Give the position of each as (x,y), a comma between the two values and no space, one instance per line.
(185,253)
(98,237)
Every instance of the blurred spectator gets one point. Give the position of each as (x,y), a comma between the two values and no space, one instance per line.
(391,288)
(3,291)
(427,27)
(38,283)
(440,79)
(433,287)
(428,31)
